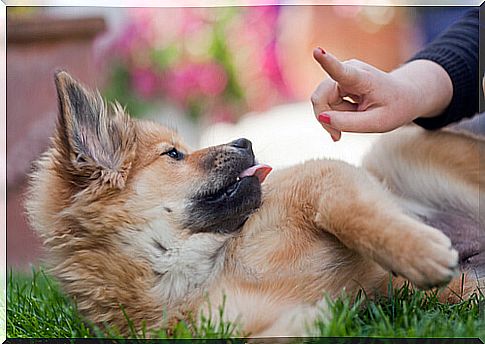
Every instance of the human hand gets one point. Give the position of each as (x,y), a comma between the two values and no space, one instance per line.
(358,97)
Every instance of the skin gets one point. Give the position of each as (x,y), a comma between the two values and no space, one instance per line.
(381,101)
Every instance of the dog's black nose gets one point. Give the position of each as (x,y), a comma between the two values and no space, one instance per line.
(241,143)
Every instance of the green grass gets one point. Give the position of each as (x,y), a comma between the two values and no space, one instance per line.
(2,308)
(37,308)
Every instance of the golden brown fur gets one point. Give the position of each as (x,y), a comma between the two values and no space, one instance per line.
(110,207)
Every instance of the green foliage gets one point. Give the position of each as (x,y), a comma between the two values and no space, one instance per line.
(119,90)
(37,308)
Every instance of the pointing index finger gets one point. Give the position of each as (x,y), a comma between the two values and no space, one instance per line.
(343,74)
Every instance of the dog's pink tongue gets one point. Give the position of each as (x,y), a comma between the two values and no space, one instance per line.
(260,170)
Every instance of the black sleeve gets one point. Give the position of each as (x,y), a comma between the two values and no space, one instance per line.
(456,50)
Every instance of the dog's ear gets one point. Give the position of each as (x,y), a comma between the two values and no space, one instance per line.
(95,142)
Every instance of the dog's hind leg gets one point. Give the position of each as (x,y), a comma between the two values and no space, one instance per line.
(435,170)
(437,176)
(366,218)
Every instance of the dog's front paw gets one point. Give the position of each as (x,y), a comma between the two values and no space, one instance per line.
(430,260)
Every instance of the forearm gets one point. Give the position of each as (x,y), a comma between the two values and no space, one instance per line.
(456,50)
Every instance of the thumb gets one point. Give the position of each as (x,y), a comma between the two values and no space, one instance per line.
(342,73)
(369,121)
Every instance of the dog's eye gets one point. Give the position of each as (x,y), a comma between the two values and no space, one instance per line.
(174,154)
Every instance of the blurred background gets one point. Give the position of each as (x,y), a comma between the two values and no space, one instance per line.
(214,74)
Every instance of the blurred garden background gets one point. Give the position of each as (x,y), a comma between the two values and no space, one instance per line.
(214,74)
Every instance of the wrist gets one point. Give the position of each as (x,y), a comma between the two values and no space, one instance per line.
(427,85)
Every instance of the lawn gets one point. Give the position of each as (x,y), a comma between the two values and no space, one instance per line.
(37,308)
(2,309)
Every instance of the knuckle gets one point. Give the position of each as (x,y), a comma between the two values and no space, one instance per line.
(314,98)
(365,80)
(348,68)
(352,63)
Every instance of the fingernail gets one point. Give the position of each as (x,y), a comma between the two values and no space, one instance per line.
(333,138)
(322,51)
(324,118)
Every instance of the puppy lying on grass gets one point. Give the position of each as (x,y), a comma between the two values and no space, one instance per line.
(132,219)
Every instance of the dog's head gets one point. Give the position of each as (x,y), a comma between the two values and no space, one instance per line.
(103,152)
(126,205)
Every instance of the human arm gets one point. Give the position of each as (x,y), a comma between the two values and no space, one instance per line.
(436,87)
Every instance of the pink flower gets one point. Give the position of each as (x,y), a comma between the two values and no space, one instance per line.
(192,20)
(145,82)
(271,68)
(174,40)
(194,79)
(138,34)
(211,79)
(222,114)
(179,83)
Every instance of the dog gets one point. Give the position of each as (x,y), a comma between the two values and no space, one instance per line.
(135,223)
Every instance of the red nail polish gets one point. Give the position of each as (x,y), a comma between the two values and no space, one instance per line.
(322,51)
(324,118)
